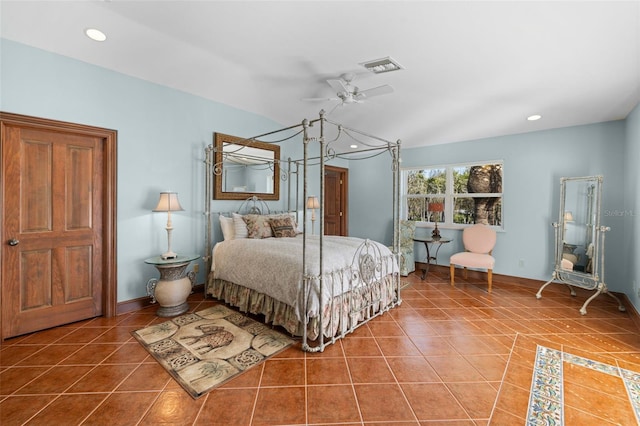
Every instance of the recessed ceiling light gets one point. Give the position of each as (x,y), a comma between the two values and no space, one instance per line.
(534,117)
(354,146)
(95,34)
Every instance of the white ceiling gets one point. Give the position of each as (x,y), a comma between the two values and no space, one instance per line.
(473,69)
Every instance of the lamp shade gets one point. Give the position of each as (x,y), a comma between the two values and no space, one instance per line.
(312,202)
(436,207)
(568,216)
(168,202)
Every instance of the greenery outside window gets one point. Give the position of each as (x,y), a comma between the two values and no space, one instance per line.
(471,193)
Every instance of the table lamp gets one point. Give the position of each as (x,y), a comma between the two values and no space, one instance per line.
(436,208)
(313,204)
(168,202)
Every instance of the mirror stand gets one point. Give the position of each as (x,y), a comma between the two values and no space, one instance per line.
(579,239)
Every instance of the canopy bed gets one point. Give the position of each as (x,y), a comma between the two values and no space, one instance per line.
(318,287)
(579,239)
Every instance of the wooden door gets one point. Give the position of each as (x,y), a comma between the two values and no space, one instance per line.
(53,228)
(335,201)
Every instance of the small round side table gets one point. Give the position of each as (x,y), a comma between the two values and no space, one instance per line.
(173,287)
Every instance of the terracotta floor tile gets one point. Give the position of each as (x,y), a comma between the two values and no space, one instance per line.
(55,380)
(386,329)
(357,346)
(14,378)
(121,409)
(397,346)
(476,398)
(414,329)
(283,372)
(332,404)
(249,379)
(433,401)
(50,355)
(433,345)
(91,354)
(606,406)
(103,378)
(412,369)
(492,367)
(46,337)
(317,371)
(225,407)
(370,370)
(146,377)
(383,403)
(128,353)
(82,335)
(283,405)
(70,410)
(173,408)
(438,359)
(454,368)
(501,417)
(11,355)
(514,400)
(118,334)
(16,410)
(469,345)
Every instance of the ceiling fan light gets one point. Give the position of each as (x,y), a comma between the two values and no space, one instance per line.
(379,66)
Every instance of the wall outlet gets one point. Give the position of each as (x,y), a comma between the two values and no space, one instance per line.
(196,267)
(521,263)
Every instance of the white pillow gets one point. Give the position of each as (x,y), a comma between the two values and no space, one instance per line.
(240,227)
(228,227)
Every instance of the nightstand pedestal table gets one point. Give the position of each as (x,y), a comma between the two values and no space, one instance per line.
(174,286)
(430,241)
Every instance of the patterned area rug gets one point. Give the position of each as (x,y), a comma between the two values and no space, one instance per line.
(202,350)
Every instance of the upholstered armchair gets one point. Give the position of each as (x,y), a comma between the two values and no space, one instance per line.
(407,259)
(478,241)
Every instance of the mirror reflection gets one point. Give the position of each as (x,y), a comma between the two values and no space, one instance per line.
(578,224)
(245,168)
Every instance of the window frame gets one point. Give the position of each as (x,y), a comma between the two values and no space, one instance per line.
(449,195)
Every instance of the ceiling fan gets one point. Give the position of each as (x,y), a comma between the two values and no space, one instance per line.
(347,93)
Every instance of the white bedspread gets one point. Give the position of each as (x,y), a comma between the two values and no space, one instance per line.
(273,266)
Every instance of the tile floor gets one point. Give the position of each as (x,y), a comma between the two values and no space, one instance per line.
(444,357)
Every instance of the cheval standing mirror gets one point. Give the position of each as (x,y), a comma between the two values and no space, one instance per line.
(579,239)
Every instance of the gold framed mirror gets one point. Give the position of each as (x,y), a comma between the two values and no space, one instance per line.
(245,168)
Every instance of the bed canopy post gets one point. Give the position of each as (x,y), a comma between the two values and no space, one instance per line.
(395,167)
(208,196)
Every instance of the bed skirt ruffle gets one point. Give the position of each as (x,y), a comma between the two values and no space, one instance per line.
(342,315)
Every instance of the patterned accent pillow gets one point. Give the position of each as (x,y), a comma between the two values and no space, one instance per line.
(283,226)
(257,226)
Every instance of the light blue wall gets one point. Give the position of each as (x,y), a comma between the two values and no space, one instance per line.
(631,212)
(161,137)
(533,165)
(162,133)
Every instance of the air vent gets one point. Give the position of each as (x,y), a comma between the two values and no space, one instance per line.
(379,66)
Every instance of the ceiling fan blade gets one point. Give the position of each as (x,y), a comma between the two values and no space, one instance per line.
(375,91)
(338,86)
(319,99)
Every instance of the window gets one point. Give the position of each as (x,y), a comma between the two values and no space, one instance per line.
(455,195)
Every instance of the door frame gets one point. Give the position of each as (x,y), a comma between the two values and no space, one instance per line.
(109,206)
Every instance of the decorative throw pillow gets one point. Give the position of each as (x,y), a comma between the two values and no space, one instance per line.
(258,226)
(282,227)
(228,227)
(240,227)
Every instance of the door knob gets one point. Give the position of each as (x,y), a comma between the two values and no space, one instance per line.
(13,242)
